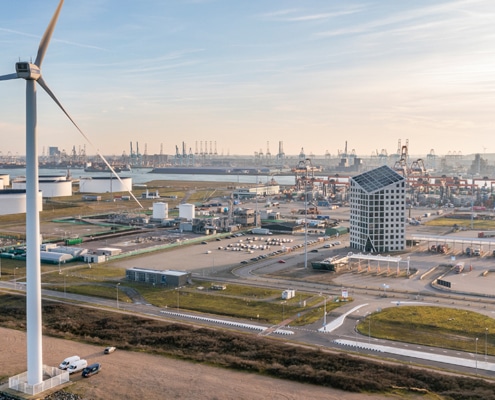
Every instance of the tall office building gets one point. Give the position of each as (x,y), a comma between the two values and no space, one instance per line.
(378,211)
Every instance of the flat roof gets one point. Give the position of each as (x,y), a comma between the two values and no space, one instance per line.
(460,240)
(376,257)
(165,272)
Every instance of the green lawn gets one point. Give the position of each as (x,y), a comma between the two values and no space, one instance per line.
(433,326)
(466,223)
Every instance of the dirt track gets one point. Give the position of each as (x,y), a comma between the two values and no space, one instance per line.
(128,375)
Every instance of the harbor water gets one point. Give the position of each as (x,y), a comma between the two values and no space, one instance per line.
(143,176)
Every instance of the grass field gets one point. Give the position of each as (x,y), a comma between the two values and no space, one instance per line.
(465,223)
(433,326)
(244,352)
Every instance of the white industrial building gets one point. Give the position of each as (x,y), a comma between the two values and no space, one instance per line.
(50,185)
(104,184)
(377,201)
(94,258)
(5,180)
(13,201)
(252,192)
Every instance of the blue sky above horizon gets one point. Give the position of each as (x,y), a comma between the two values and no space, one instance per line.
(312,74)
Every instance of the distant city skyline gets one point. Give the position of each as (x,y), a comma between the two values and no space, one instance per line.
(312,74)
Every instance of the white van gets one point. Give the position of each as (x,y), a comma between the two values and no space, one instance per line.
(68,361)
(78,365)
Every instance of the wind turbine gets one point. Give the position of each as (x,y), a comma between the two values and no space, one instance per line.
(31,72)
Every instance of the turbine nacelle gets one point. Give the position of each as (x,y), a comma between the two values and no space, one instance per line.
(27,70)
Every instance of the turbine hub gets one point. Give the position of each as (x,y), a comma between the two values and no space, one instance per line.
(27,70)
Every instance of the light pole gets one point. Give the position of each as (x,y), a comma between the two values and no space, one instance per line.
(325,314)
(369,329)
(356,331)
(324,311)
(117,287)
(283,311)
(305,226)
(178,293)
(15,282)
(486,343)
(476,356)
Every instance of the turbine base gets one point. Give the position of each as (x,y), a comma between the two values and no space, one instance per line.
(53,378)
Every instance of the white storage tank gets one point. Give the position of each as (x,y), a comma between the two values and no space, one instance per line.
(187,211)
(104,185)
(14,201)
(50,185)
(5,178)
(160,210)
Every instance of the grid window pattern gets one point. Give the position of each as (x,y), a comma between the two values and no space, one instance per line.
(377,217)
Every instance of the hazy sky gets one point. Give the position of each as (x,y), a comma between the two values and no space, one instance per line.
(242,73)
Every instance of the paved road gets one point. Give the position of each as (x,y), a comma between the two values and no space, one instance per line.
(340,333)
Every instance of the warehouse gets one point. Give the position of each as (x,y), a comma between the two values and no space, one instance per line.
(166,278)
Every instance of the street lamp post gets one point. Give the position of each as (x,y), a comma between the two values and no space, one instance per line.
(476,356)
(324,311)
(178,293)
(325,314)
(117,287)
(305,226)
(356,331)
(486,344)
(15,282)
(369,329)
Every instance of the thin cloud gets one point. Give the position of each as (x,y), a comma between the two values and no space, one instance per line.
(314,17)
(279,13)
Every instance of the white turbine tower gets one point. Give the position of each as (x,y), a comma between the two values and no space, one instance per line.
(31,72)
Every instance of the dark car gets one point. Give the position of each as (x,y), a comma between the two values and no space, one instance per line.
(92,369)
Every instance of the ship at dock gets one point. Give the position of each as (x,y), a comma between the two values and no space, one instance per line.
(211,170)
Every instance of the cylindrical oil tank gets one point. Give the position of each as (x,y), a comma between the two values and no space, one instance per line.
(160,210)
(105,185)
(13,201)
(187,211)
(50,186)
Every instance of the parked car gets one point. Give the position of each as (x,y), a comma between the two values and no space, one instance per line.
(77,366)
(109,349)
(90,370)
(68,361)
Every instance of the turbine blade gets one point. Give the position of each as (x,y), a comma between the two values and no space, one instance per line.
(45,40)
(8,77)
(43,84)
